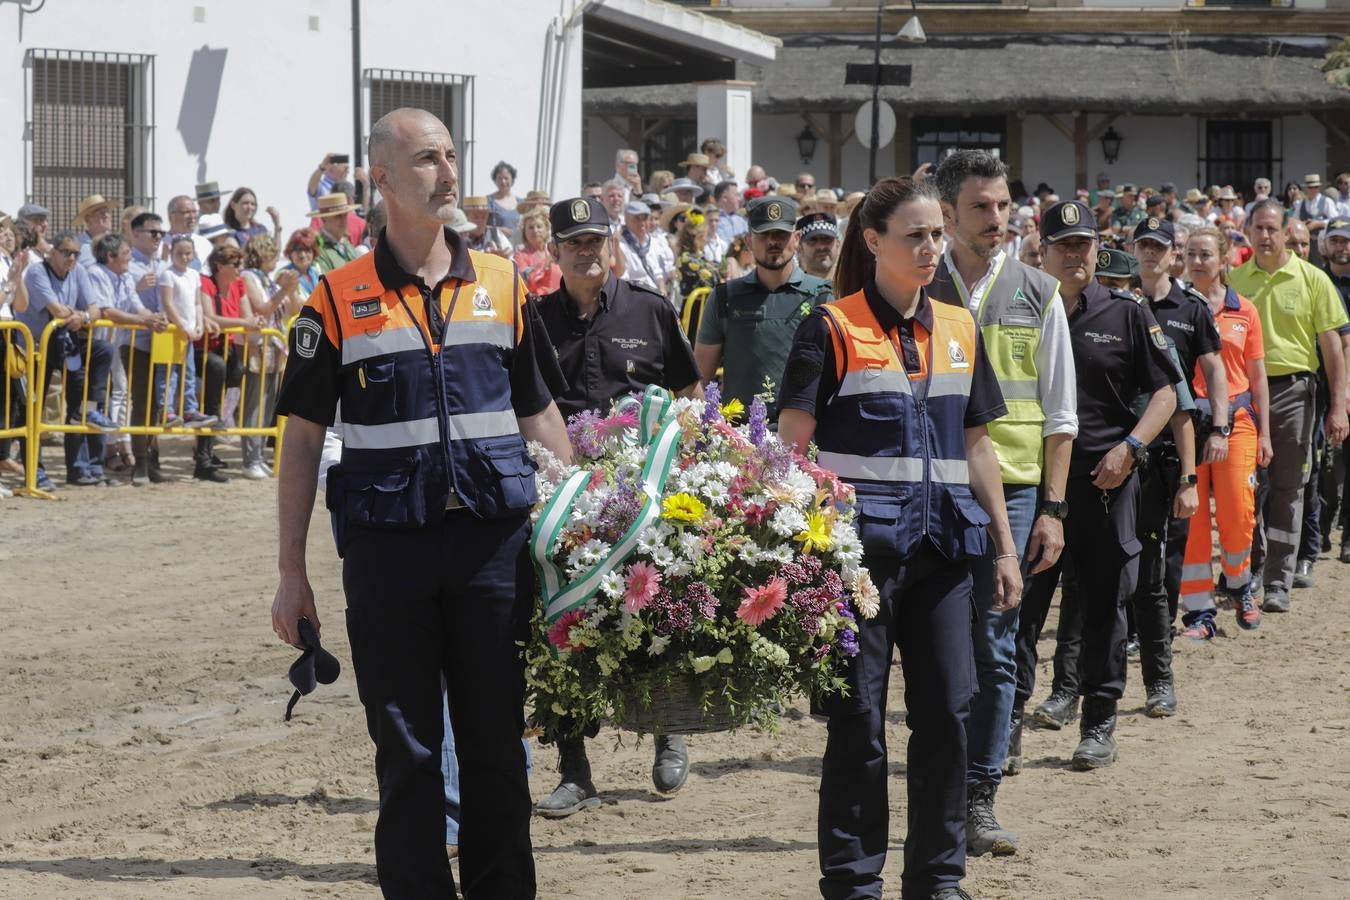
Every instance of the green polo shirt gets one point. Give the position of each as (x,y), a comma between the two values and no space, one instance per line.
(1297,302)
(333,254)
(755,327)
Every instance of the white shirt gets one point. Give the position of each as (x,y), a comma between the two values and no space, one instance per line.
(642,265)
(184,289)
(1055,373)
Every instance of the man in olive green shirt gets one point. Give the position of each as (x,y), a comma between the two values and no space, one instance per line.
(748,323)
(334,249)
(1300,311)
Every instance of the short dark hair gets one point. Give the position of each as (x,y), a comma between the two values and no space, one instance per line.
(503,165)
(1268,203)
(67,235)
(963,164)
(144,219)
(722,188)
(106,246)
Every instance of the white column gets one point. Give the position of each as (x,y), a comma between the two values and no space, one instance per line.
(724,112)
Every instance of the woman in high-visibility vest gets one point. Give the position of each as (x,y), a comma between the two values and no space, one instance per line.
(1232,480)
(896,393)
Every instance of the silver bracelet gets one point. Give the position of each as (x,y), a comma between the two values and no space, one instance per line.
(1005,556)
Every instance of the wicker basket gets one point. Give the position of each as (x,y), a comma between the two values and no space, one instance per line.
(677,709)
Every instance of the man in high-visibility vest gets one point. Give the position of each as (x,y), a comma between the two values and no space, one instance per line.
(1026,337)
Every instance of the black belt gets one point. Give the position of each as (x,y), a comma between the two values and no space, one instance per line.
(1292,376)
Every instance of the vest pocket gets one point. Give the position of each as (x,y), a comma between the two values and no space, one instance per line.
(373,386)
(964,522)
(880,408)
(391,499)
(882,525)
(510,469)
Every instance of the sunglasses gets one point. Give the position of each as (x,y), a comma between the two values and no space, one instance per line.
(68,254)
(153,232)
(314,667)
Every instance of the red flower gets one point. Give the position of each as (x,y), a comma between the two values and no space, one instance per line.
(558,633)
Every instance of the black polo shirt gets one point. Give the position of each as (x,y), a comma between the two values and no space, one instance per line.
(312,385)
(1342,283)
(811,378)
(632,340)
(1119,352)
(1186,319)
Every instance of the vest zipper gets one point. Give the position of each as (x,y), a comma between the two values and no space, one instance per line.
(434,359)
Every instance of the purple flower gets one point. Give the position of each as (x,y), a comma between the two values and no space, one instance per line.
(701,598)
(775,457)
(759,421)
(583,430)
(671,613)
(712,405)
(847,641)
(618,511)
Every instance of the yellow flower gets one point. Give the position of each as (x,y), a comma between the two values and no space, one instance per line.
(817,533)
(683,508)
(733,409)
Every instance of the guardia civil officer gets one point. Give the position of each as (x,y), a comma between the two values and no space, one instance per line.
(748,323)
(430,350)
(1026,334)
(613,337)
(1119,353)
(896,392)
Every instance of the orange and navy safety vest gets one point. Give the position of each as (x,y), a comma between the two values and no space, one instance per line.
(898,437)
(424,425)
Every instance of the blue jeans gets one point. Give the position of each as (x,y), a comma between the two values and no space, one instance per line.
(186,369)
(995,637)
(450,771)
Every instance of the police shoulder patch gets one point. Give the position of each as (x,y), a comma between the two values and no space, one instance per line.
(308,332)
(1159,339)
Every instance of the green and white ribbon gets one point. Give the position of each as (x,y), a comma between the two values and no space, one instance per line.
(660,434)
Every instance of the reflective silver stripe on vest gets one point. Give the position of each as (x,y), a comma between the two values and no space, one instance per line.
(501,334)
(893,468)
(1020,389)
(873,381)
(356,347)
(414,433)
(950,384)
(471,426)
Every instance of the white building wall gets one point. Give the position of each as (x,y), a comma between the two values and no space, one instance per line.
(1305,151)
(602,145)
(285,96)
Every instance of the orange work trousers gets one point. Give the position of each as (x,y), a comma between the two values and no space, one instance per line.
(1233,486)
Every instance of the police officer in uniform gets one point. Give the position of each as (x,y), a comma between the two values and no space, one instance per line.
(613,337)
(1026,333)
(432,352)
(896,391)
(1119,352)
(748,322)
(818,244)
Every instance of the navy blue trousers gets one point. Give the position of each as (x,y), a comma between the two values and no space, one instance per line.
(927,611)
(446,601)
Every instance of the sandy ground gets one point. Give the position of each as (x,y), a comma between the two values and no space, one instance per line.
(143,752)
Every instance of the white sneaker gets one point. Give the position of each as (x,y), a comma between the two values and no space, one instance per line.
(254,472)
(5,492)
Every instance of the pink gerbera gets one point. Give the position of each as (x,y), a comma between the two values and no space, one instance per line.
(559,634)
(762,603)
(641,586)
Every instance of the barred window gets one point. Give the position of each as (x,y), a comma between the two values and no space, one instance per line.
(90,129)
(1239,151)
(447,97)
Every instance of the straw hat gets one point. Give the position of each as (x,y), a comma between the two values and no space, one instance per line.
(670,212)
(459,222)
(1228,193)
(92,203)
(696,159)
(332,205)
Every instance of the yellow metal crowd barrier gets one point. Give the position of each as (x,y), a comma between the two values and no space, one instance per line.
(18,396)
(252,359)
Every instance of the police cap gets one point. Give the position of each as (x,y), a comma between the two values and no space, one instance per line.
(1338,227)
(1155,200)
(1157,229)
(773,213)
(1116,263)
(1069,218)
(569,218)
(818,224)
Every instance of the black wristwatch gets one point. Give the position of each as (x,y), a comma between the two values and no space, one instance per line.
(1138,449)
(1224,430)
(1055,509)
(1188,480)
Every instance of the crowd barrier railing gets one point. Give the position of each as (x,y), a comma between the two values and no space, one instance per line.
(154,397)
(19,398)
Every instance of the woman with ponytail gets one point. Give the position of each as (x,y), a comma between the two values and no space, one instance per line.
(896,393)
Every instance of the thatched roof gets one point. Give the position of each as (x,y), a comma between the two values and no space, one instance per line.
(1000,74)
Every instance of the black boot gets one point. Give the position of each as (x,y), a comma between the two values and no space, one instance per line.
(203,470)
(670,769)
(1097,730)
(1162,698)
(983,833)
(1059,709)
(575,790)
(1013,764)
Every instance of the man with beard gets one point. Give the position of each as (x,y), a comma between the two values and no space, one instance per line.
(613,337)
(1120,353)
(818,244)
(748,323)
(1026,335)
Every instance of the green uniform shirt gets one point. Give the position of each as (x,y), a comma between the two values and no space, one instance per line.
(332,255)
(1127,218)
(1297,303)
(755,327)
